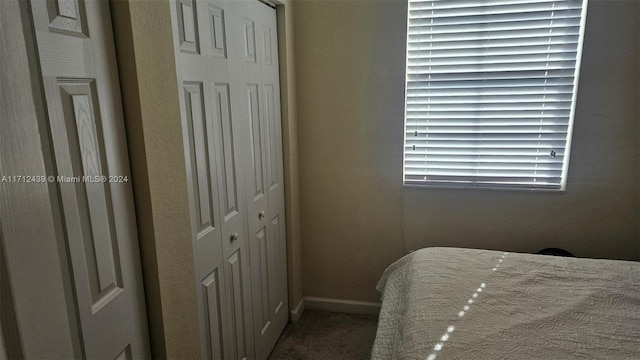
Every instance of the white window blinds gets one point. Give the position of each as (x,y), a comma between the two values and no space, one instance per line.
(490,90)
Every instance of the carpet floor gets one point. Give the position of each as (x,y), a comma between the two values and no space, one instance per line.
(323,335)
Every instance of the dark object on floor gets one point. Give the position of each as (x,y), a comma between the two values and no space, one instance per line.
(556,252)
(323,335)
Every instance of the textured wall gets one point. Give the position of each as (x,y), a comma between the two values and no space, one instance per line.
(356,218)
(349,62)
(147,69)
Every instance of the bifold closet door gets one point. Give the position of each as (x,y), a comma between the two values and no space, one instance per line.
(96,213)
(226,53)
(265,190)
(210,101)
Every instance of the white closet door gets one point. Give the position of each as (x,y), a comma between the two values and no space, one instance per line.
(213,147)
(265,193)
(226,53)
(77,58)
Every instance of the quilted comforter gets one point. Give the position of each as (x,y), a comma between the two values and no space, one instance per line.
(448,303)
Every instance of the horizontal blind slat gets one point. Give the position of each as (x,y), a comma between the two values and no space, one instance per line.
(458,54)
(466,4)
(451,44)
(513,17)
(494,92)
(477,152)
(495,26)
(493,59)
(491,159)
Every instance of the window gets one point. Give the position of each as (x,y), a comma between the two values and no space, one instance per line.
(490,92)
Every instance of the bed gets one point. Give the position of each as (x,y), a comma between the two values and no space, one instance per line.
(448,303)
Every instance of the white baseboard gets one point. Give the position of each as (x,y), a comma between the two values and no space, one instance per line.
(296,313)
(341,305)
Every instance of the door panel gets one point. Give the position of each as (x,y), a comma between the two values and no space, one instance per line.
(67,16)
(269,105)
(213,314)
(257,155)
(267,45)
(236,292)
(201,167)
(214,148)
(280,267)
(201,133)
(199,136)
(232,220)
(217,31)
(187,26)
(82,92)
(222,104)
(262,263)
(265,199)
(270,79)
(249,40)
(95,215)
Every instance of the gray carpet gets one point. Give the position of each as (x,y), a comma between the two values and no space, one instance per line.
(323,335)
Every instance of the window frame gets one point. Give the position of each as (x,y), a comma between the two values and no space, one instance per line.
(502,187)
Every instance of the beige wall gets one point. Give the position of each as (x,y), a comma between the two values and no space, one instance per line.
(350,81)
(349,62)
(146,64)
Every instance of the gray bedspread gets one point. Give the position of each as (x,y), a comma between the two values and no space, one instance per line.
(447,303)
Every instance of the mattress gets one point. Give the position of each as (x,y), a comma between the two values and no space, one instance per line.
(448,303)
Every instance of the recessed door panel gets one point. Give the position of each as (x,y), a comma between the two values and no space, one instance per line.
(212,311)
(279,270)
(266,45)
(86,142)
(188,26)
(253,103)
(222,103)
(67,16)
(218,32)
(200,138)
(199,157)
(262,263)
(249,40)
(270,114)
(236,294)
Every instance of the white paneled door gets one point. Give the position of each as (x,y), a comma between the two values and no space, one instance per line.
(78,67)
(214,148)
(259,81)
(226,54)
